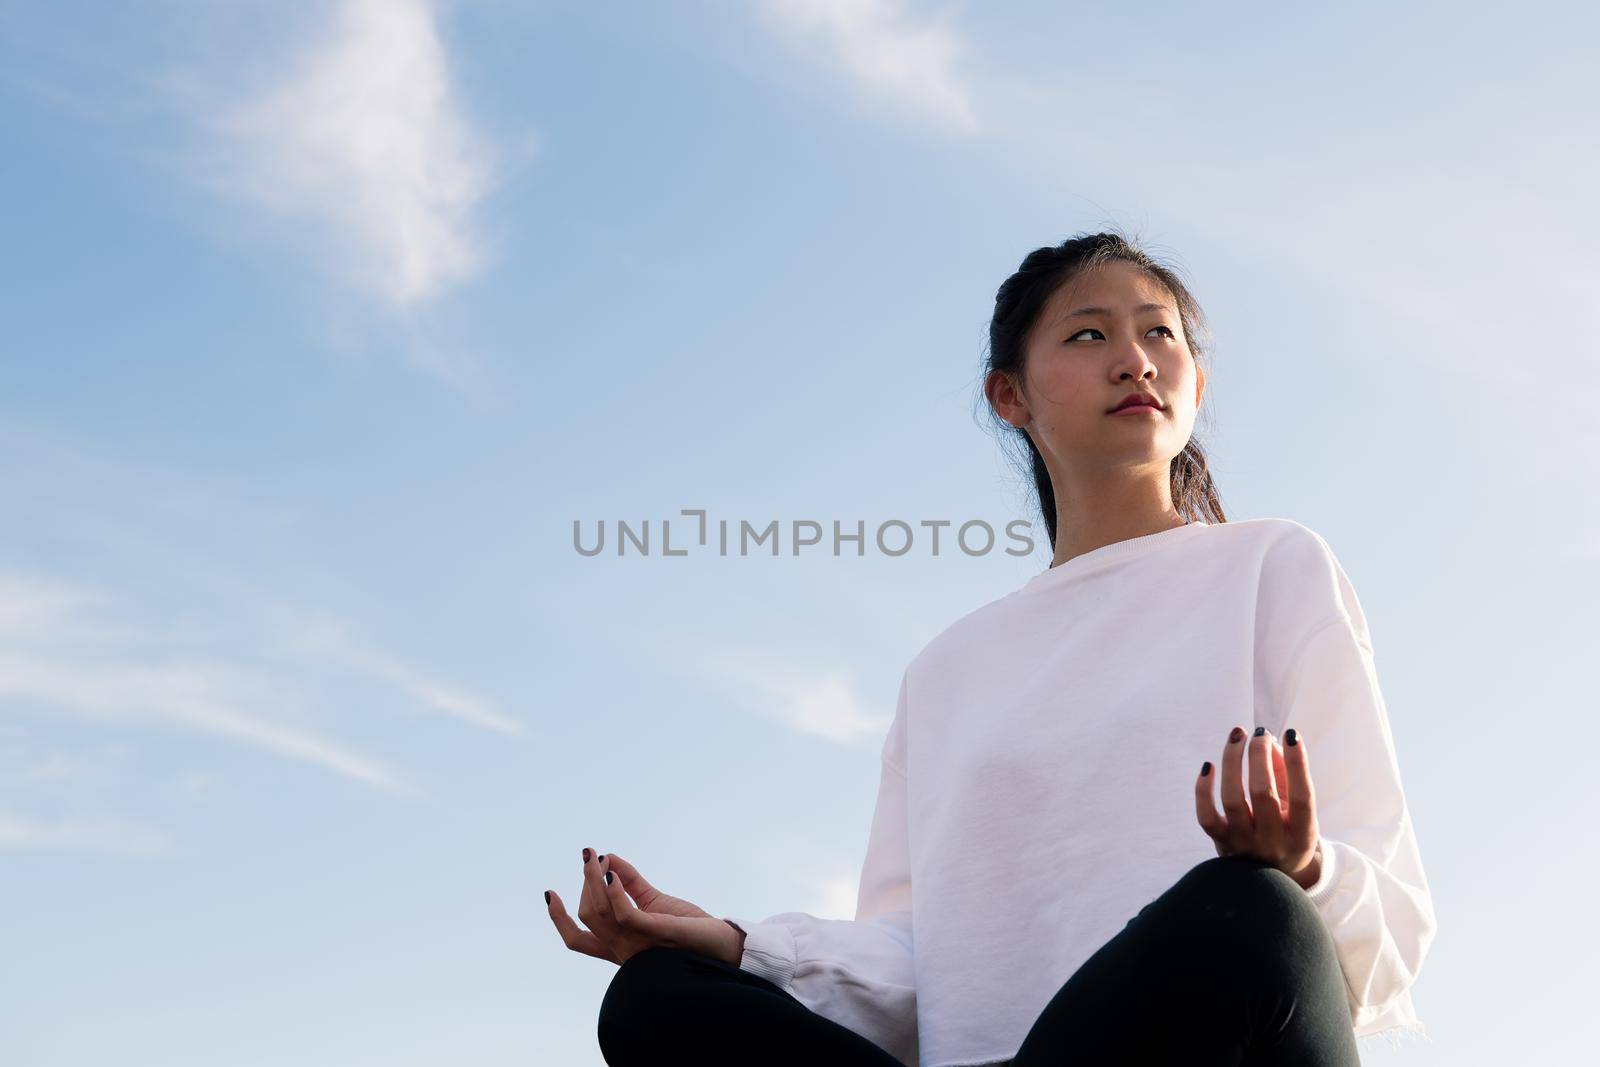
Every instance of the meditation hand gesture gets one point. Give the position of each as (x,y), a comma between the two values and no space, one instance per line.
(1279,823)
(618,929)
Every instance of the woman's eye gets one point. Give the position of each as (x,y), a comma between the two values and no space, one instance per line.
(1091,329)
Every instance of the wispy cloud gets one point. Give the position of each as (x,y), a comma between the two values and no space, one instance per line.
(836,898)
(366,140)
(821,704)
(60,668)
(826,707)
(203,697)
(326,637)
(29,606)
(909,60)
(183,639)
(17,832)
(26,766)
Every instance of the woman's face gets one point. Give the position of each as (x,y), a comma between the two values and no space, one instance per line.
(1108,333)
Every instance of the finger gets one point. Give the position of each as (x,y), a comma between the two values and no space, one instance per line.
(628,918)
(1266,812)
(586,893)
(635,883)
(635,925)
(1280,775)
(674,931)
(602,918)
(1234,805)
(1302,827)
(1205,808)
(589,900)
(573,935)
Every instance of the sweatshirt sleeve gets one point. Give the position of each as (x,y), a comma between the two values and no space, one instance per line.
(1372,891)
(857,972)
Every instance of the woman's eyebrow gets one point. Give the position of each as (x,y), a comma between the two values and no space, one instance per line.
(1106,311)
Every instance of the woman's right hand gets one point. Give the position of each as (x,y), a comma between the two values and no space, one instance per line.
(618,928)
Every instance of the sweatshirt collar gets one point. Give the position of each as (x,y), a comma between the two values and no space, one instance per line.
(1116,551)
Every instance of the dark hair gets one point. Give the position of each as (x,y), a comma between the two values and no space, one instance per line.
(1016,307)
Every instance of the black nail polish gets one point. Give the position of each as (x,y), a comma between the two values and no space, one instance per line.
(1205,768)
(608,878)
(547,896)
(586,855)
(601,857)
(1290,737)
(1260,730)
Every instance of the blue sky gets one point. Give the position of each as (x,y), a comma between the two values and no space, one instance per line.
(324,322)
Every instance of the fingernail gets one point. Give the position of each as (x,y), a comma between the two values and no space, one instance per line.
(1236,736)
(1260,730)
(601,857)
(608,878)
(547,896)
(1205,768)
(586,855)
(1289,737)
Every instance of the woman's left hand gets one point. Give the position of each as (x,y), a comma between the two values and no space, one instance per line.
(1278,823)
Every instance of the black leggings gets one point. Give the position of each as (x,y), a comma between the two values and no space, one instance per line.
(1231,965)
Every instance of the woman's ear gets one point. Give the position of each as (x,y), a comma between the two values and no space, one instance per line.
(1006,401)
(1199,384)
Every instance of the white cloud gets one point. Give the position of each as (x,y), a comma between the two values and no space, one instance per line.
(836,898)
(888,53)
(365,140)
(199,696)
(827,707)
(16,832)
(327,638)
(193,783)
(818,704)
(22,768)
(69,664)
(29,604)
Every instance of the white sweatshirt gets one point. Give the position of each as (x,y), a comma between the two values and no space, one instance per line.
(1037,789)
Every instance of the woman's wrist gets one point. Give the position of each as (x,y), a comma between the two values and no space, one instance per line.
(739,950)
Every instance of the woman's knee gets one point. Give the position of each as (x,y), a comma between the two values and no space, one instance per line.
(1240,891)
(1243,881)
(640,992)
(663,1003)
(1259,906)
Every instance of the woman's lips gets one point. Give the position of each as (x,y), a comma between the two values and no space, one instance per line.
(1137,409)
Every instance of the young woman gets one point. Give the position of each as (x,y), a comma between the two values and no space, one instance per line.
(1039,784)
